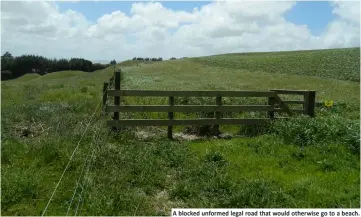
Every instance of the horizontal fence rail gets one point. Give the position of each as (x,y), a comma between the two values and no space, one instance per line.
(199,93)
(292,92)
(287,102)
(188,108)
(275,104)
(292,110)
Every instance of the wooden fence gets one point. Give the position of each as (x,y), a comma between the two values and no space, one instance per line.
(275,104)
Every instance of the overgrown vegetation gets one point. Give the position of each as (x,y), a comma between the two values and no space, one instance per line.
(320,131)
(302,162)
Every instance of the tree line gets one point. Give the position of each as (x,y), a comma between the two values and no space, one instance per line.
(14,67)
(154,59)
(148,59)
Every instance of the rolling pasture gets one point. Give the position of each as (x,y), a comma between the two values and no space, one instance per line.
(302,162)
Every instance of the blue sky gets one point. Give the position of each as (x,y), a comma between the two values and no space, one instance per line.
(93,10)
(316,15)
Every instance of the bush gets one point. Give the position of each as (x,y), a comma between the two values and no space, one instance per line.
(304,131)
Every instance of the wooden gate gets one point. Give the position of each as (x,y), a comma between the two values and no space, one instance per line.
(275,104)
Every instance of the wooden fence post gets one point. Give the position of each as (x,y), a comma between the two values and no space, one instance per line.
(310,102)
(111,80)
(218,115)
(271,102)
(105,94)
(116,98)
(170,117)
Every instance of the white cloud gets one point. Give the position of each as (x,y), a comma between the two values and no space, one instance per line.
(349,11)
(155,14)
(153,30)
(345,30)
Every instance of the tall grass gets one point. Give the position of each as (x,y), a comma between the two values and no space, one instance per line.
(306,131)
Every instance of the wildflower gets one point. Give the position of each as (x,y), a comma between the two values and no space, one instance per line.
(328,103)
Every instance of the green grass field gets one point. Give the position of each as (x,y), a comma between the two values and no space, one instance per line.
(302,162)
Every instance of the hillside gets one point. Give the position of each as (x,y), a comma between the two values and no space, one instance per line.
(300,163)
(335,63)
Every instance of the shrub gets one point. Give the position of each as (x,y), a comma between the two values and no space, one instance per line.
(305,131)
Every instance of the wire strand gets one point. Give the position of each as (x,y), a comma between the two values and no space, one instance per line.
(84,184)
(78,181)
(91,164)
(90,161)
(71,157)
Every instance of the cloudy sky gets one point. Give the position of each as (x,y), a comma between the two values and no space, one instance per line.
(101,30)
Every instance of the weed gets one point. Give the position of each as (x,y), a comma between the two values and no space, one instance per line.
(215,157)
(304,131)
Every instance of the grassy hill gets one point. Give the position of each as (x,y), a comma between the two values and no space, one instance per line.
(302,162)
(336,63)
